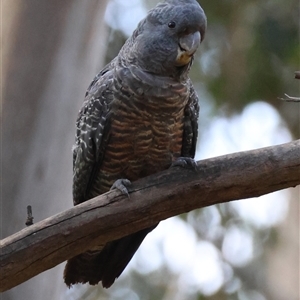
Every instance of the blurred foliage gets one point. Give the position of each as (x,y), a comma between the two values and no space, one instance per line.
(258,51)
(250,53)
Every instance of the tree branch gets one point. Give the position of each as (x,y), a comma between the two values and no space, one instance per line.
(152,199)
(289,98)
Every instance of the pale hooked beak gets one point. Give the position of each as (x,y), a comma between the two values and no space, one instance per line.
(187,46)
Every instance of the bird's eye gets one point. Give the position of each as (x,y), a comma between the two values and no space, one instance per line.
(172,24)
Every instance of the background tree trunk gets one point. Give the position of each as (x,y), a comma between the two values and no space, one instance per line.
(51,51)
(283,261)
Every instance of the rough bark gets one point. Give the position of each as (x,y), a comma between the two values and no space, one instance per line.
(152,199)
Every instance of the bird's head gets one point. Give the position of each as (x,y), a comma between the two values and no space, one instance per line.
(166,40)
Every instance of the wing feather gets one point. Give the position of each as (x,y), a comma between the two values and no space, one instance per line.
(190,129)
(93,124)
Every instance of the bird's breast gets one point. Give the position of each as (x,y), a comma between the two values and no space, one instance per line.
(141,144)
(146,130)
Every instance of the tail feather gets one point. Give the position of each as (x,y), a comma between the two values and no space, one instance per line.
(105,265)
(81,268)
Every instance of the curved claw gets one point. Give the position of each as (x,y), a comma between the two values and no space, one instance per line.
(185,162)
(121,185)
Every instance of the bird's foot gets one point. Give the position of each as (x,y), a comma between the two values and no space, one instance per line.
(121,185)
(185,162)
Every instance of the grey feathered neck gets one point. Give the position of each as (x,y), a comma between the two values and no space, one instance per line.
(176,2)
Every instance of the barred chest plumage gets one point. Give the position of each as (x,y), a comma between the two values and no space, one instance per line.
(146,127)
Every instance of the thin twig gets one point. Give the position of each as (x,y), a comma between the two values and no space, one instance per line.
(290,99)
(29,220)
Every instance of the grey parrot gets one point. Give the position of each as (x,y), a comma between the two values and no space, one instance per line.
(139,116)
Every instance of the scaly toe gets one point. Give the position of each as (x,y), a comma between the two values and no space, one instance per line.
(185,162)
(121,185)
